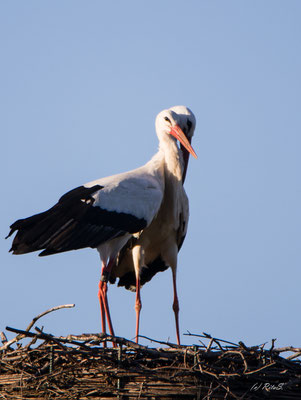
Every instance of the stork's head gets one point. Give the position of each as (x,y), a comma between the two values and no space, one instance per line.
(178,122)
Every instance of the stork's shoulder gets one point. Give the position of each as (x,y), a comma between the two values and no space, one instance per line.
(138,192)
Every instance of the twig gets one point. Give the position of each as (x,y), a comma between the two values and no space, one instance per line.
(209,345)
(292,356)
(260,369)
(3,337)
(47,312)
(208,336)
(19,337)
(272,346)
(160,342)
(287,348)
(241,344)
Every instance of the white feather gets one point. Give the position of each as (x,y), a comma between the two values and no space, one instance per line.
(138,192)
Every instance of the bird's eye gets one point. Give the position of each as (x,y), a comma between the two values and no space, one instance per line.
(189,124)
(167,119)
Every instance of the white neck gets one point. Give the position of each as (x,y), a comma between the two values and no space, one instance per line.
(173,156)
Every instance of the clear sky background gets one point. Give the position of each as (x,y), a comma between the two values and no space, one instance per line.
(81,84)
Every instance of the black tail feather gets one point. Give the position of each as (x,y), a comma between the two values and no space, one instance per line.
(147,272)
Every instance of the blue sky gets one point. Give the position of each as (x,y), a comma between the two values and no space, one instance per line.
(81,84)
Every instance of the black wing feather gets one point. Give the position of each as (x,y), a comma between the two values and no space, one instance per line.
(73,223)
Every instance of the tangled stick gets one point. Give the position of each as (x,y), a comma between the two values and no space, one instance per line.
(22,336)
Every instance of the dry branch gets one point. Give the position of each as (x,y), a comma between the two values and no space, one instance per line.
(17,338)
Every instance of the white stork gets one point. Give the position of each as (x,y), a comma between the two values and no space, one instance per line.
(137,220)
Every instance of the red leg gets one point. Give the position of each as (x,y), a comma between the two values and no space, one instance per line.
(175,305)
(103,299)
(138,307)
(138,259)
(106,307)
(102,307)
(102,310)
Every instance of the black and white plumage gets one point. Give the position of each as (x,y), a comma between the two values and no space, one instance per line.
(137,220)
(73,223)
(158,244)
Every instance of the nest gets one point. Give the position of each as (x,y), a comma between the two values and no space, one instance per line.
(86,367)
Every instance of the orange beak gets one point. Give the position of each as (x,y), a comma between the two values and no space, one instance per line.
(177,132)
